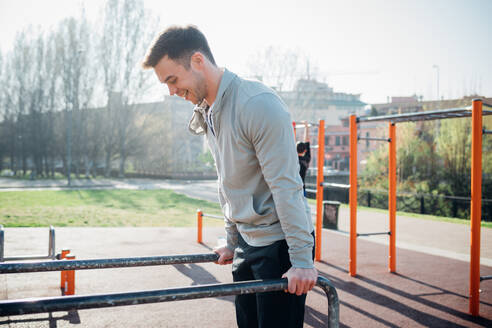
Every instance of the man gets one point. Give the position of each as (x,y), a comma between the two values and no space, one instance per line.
(249,131)
(304,154)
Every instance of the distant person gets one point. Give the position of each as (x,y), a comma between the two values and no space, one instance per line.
(249,131)
(304,155)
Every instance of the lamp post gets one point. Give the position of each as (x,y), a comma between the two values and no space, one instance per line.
(437,70)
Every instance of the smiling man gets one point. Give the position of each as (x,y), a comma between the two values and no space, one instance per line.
(249,131)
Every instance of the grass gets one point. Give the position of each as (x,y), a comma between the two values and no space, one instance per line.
(102,208)
(484,224)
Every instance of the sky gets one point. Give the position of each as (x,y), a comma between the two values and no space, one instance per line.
(376,48)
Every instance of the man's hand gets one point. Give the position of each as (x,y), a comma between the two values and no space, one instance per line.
(301,280)
(225,255)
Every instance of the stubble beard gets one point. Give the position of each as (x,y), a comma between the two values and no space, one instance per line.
(200,89)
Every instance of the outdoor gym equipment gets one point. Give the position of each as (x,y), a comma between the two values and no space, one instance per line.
(51,249)
(69,303)
(476,113)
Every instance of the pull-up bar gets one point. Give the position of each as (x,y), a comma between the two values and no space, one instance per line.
(374,139)
(476,113)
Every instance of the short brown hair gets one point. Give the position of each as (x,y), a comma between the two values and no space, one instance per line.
(179,44)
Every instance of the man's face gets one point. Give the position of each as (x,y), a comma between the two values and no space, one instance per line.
(186,83)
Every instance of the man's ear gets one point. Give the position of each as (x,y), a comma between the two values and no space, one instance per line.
(197,60)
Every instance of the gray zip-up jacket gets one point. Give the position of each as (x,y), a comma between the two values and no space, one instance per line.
(260,189)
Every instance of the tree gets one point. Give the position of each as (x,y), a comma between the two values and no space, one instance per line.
(279,67)
(77,75)
(126,32)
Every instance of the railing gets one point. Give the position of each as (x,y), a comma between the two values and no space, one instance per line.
(69,303)
(51,249)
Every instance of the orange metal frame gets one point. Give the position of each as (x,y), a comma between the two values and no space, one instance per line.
(475,206)
(319,189)
(353,196)
(199,218)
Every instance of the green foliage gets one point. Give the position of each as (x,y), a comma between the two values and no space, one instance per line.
(433,159)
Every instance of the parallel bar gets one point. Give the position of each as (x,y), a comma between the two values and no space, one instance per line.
(319,189)
(51,249)
(374,234)
(72,303)
(475,208)
(106,263)
(353,196)
(51,244)
(27,258)
(482,278)
(487,131)
(375,139)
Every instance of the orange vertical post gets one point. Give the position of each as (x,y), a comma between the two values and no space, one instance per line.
(319,188)
(475,206)
(63,275)
(294,126)
(392,197)
(199,217)
(70,282)
(353,196)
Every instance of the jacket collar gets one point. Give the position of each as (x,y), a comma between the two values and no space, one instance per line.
(198,125)
(225,82)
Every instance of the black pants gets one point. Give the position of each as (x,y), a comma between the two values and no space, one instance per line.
(271,309)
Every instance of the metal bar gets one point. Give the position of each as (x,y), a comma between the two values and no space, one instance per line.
(199,223)
(319,189)
(373,234)
(353,196)
(213,216)
(336,185)
(72,303)
(51,244)
(106,263)
(487,131)
(392,197)
(416,115)
(51,249)
(2,239)
(302,125)
(27,258)
(475,208)
(375,139)
(311,190)
(482,278)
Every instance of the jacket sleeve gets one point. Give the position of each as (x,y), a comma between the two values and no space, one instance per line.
(267,125)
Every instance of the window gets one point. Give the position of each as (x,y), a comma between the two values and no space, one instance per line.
(367,141)
(345,140)
(327,140)
(337,141)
